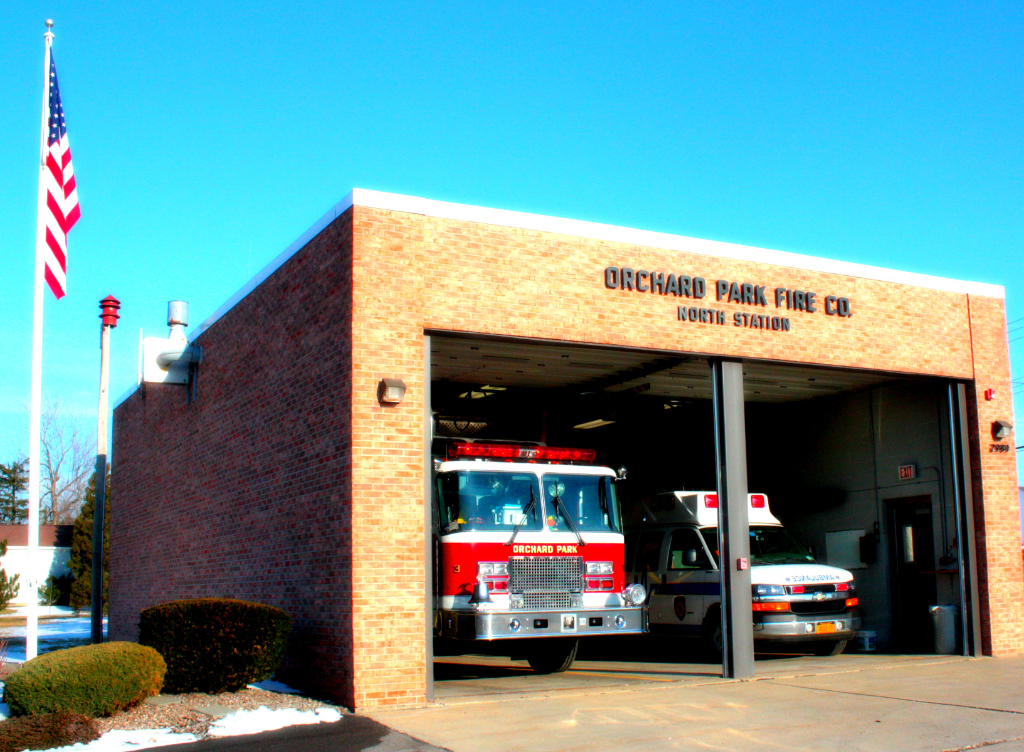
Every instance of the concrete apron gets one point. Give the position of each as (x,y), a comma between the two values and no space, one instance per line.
(847,702)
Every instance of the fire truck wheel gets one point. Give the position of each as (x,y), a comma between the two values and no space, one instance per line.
(554,655)
(711,633)
(829,647)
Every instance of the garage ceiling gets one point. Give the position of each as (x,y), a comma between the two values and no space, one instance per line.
(512,363)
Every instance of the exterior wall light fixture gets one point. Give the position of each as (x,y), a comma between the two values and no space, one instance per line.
(390,391)
(1001,429)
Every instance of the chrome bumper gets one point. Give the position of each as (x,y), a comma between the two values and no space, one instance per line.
(784,627)
(498,625)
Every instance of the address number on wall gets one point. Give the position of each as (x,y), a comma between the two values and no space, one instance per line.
(998,448)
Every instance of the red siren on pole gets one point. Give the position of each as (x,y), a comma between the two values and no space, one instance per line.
(109,306)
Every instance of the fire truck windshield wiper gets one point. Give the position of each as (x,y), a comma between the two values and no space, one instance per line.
(557,501)
(526,515)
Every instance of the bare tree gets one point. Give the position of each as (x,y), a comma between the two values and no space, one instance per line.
(66,460)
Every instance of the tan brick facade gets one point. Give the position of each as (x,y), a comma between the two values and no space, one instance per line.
(413,273)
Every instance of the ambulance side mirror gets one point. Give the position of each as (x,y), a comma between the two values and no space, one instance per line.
(691,556)
(620,474)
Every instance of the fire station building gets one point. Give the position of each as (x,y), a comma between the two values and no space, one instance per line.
(282,453)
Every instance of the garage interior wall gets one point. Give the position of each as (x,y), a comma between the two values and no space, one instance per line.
(830,464)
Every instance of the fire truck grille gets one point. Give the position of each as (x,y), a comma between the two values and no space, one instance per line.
(545,575)
(544,601)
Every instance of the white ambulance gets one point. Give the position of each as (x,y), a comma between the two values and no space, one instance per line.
(672,549)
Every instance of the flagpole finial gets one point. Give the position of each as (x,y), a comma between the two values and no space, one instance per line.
(49,23)
(49,29)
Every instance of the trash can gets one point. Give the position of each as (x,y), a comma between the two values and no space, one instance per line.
(946,623)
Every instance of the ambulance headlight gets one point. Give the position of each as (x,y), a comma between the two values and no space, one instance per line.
(762,590)
(635,594)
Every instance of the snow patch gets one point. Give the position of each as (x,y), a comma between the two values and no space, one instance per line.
(264,719)
(121,741)
(274,686)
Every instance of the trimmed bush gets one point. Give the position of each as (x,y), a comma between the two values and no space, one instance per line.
(93,680)
(46,731)
(215,644)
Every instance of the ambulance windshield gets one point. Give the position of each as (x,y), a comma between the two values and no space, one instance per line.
(471,500)
(772,544)
(589,500)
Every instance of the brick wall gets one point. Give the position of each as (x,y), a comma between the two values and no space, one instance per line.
(247,492)
(994,476)
(297,487)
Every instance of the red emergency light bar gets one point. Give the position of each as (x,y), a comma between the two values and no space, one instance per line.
(477,450)
(757,501)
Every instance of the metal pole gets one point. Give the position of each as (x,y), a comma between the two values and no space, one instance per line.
(109,316)
(36,405)
(428,496)
(733,520)
(963,499)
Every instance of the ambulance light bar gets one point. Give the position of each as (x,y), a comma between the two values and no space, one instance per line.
(757,501)
(477,450)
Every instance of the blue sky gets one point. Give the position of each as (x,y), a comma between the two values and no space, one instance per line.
(208,136)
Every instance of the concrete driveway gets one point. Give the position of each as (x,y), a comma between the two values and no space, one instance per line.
(848,702)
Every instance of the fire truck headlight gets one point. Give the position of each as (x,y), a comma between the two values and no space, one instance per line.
(599,567)
(635,594)
(491,568)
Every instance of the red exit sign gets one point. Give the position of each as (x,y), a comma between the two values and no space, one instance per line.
(908,472)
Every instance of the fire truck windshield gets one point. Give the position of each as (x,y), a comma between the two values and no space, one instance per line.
(588,499)
(471,500)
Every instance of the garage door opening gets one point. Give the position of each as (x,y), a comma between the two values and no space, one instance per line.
(822,444)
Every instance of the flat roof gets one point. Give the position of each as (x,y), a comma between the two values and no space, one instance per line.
(596,231)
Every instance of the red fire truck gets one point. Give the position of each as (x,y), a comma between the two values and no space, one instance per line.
(529,547)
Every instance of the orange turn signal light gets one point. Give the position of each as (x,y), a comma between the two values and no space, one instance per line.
(772,606)
(851,602)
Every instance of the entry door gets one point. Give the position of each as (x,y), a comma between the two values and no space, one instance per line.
(912,573)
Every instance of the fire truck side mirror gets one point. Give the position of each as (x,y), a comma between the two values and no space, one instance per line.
(620,474)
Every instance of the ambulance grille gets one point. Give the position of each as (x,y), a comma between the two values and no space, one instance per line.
(818,607)
(547,575)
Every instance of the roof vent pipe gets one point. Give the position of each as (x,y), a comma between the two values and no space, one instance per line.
(178,350)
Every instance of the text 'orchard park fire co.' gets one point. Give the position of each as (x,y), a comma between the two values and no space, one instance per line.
(743,293)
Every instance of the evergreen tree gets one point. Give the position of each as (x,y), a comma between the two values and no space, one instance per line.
(13,502)
(8,585)
(81,548)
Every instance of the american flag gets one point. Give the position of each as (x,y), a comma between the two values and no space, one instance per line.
(61,211)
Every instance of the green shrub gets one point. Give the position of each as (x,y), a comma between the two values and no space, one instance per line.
(93,680)
(46,731)
(215,644)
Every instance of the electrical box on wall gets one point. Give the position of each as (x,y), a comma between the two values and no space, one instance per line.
(843,549)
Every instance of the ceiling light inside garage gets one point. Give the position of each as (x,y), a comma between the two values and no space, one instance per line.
(595,423)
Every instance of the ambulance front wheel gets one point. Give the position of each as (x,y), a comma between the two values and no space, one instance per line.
(711,633)
(554,655)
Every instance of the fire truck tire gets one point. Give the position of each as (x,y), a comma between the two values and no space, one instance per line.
(711,633)
(830,647)
(554,655)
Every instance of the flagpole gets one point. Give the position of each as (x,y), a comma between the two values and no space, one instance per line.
(35,419)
